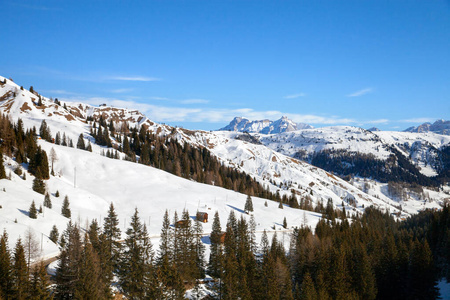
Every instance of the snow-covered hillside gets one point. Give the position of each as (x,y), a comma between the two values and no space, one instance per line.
(93,181)
(420,147)
(288,175)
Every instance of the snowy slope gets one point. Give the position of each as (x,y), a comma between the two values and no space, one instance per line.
(286,174)
(420,147)
(100,181)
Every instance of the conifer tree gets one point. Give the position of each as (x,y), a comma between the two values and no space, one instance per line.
(54,234)
(47,201)
(89,284)
(2,167)
(216,250)
(20,273)
(136,272)
(65,210)
(165,251)
(199,250)
(112,236)
(68,269)
(32,211)
(5,268)
(80,143)
(284,223)
(39,185)
(39,285)
(308,291)
(248,204)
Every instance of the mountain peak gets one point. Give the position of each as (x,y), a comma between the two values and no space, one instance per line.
(284,124)
(440,126)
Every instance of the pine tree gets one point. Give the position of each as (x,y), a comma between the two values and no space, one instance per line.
(308,291)
(80,143)
(56,194)
(216,251)
(248,204)
(65,210)
(39,186)
(199,250)
(20,273)
(137,274)
(5,268)
(39,284)
(68,269)
(280,205)
(112,236)
(2,167)
(165,251)
(32,211)
(47,201)
(89,284)
(54,234)
(284,223)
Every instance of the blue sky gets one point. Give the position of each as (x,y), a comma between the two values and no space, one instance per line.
(197,64)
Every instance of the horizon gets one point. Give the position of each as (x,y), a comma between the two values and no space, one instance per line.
(198,65)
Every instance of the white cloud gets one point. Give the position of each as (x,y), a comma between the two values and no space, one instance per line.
(159,98)
(418,120)
(295,96)
(379,121)
(160,113)
(360,92)
(120,91)
(133,78)
(194,101)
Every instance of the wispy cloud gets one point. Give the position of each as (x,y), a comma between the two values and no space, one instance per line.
(159,98)
(133,78)
(418,120)
(379,121)
(294,96)
(194,101)
(361,92)
(121,91)
(161,113)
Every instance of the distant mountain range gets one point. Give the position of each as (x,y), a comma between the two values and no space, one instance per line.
(264,126)
(440,127)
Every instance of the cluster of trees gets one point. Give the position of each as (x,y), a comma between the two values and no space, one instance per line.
(166,153)
(374,257)
(18,279)
(395,168)
(88,265)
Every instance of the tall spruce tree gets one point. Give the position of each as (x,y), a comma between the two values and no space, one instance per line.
(39,285)
(2,167)
(68,269)
(65,209)
(112,236)
(32,211)
(47,201)
(5,268)
(216,249)
(137,274)
(20,272)
(248,204)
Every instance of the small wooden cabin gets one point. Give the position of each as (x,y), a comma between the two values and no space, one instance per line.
(202,217)
(181,223)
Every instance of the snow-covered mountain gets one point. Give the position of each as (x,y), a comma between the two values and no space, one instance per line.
(439,126)
(264,126)
(421,149)
(92,181)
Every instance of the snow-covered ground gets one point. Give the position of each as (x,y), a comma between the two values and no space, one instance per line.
(92,182)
